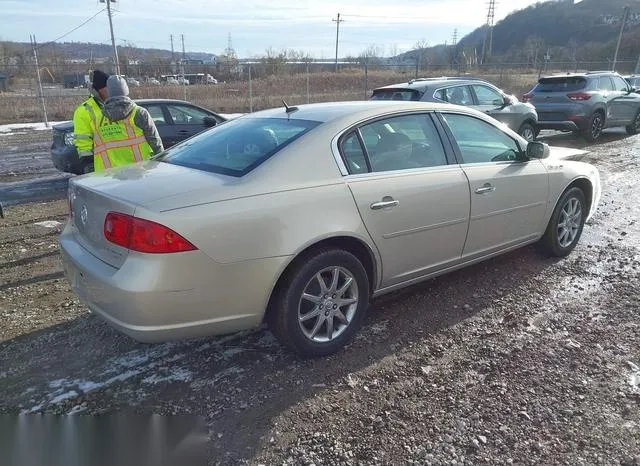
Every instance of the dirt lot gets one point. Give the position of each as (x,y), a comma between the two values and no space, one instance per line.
(519,360)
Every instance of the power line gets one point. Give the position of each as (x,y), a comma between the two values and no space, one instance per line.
(71,31)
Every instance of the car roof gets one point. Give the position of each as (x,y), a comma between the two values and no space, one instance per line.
(354,110)
(580,75)
(162,101)
(424,83)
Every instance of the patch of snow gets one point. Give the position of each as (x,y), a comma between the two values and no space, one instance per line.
(33,126)
(177,375)
(8,133)
(48,224)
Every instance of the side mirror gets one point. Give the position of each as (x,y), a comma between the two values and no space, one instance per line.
(210,122)
(537,150)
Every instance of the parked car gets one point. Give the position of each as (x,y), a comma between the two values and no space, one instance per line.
(586,103)
(470,92)
(153,81)
(183,81)
(176,120)
(133,82)
(634,81)
(298,216)
(173,81)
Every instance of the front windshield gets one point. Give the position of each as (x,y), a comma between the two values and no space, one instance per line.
(238,146)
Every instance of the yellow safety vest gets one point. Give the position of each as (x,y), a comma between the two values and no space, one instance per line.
(118,143)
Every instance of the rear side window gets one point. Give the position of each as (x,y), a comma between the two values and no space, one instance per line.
(561,84)
(459,95)
(237,147)
(605,84)
(396,94)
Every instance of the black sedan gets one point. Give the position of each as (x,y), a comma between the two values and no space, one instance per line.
(176,120)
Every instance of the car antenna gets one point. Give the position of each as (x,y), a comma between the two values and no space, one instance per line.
(289,109)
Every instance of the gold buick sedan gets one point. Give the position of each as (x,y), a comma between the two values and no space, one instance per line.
(299,216)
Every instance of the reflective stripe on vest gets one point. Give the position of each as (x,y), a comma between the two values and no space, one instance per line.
(97,139)
(114,153)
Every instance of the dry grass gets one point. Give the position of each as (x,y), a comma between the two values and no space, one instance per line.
(234,96)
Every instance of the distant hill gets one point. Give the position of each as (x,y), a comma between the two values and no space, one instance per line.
(87,51)
(585,31)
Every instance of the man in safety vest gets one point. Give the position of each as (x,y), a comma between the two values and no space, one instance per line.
(125,133)
(87,111)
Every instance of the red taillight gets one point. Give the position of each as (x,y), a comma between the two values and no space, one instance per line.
(143,235)
(527,97)
(579,96)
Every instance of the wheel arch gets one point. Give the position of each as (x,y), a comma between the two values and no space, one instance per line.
(585,185)
(352,244)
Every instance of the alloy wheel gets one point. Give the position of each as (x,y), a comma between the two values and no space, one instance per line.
(328,304)
(596,126)
(569,222)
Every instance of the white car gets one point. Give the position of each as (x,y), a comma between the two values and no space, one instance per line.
(133,82)
(183,81)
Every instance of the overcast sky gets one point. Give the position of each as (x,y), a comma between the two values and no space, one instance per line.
(254,25)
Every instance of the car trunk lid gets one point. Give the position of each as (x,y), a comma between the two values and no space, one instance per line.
(556,90)
(89,209)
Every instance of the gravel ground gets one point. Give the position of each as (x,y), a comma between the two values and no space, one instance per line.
(519,360)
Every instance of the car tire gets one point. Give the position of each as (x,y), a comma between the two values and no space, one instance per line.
(594,127)
(634,127)
(527,131)
(302,324)
(565,226)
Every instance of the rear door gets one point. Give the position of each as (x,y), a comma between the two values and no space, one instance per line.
(414,204)
(609,95)
(508,197)
(625,104)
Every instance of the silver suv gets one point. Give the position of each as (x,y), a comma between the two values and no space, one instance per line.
(470,92)
(586,103)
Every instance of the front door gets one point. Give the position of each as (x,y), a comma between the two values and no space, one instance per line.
(413,203)
(508,196)
(187,120)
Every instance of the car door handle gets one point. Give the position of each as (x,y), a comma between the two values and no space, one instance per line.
(386,202)
(487,188)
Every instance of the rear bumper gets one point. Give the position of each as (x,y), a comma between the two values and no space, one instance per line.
(153,299)
(559,125)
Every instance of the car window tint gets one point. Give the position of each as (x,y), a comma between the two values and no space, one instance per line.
(479,141)
(605,84)
(620,84)
(238,146)
(488,96)
(403,142)
(187,115)
(156,114)
(395,94)
(561,84)
(353,154)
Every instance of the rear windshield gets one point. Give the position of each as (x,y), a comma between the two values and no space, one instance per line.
(237,146)
(395,94)
(561,84)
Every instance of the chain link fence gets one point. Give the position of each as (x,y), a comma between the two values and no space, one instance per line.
(249,86)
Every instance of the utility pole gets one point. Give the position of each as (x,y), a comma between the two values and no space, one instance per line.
(487,47)
(113,40)
(454,52)
(184,79)
(625,15)
(173,55)
(32,38)
(337,21)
